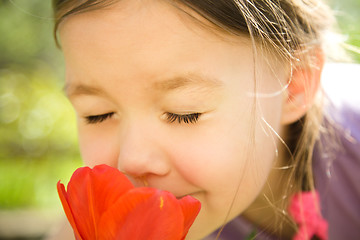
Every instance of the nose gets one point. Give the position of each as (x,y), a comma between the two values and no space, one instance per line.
(141,153)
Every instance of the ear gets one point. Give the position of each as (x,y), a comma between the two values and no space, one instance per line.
(304,82)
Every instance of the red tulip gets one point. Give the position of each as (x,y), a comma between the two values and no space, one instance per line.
(101,203)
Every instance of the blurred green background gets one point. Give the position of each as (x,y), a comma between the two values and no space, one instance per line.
(38,140)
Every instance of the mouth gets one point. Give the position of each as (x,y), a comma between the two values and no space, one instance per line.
(189,194)
(180,197)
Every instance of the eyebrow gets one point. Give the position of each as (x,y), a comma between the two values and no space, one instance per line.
(82,89)
(175,83)
(188,80)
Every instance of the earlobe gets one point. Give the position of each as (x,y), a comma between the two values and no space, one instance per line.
(304,82)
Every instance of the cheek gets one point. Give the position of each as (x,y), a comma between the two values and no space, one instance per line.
(213,156)
(237,153)
(208,161)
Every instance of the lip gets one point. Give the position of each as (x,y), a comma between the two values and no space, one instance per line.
(189,194)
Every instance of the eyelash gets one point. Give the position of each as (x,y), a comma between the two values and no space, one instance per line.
(98,118)
(186,118)
(171,117)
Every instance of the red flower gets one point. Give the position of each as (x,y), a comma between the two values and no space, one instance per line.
(305,210)
(101,203)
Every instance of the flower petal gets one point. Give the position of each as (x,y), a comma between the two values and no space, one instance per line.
(101,203)
(190,208)
(144,213)
(67,209)
(113,219)
(91,192)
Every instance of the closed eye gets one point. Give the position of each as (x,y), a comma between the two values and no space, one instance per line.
(93,119)
(185,118)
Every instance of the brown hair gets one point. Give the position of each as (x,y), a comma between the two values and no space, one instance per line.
(292,29)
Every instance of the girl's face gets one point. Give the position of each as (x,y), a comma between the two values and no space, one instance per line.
(170,102)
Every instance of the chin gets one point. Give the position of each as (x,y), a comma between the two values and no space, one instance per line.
(198,231)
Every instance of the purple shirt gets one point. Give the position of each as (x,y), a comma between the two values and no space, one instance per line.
(336,160)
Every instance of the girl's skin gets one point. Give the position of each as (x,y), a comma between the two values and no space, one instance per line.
(132,68)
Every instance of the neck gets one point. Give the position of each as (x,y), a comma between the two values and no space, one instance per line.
(269,210)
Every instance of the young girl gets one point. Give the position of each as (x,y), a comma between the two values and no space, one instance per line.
(220,100)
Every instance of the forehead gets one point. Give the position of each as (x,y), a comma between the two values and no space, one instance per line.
(137,33)
(141,23)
